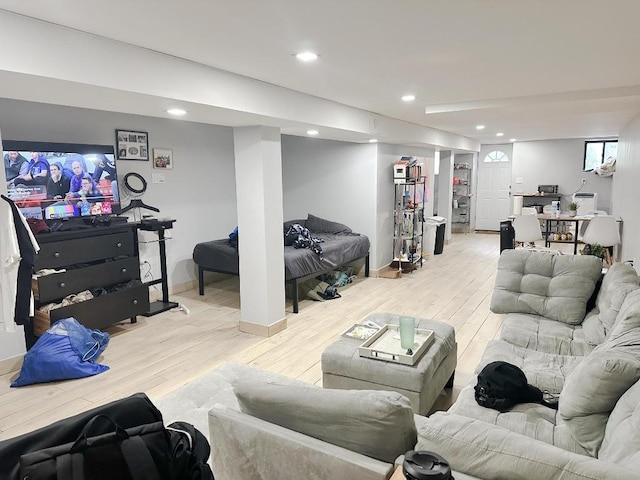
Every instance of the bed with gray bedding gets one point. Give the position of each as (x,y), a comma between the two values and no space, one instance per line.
(340,246)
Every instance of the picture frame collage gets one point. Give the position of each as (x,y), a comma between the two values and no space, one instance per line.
(134,145)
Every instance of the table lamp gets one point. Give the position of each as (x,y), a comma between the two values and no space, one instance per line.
(602,230)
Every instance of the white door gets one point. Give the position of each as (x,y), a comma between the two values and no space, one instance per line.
(494,183)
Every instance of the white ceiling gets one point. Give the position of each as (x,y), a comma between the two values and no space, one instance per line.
(534,70)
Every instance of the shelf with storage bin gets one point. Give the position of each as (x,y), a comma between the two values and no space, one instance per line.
(409,198)
(461,213)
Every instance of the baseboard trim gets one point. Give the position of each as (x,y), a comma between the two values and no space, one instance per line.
(263,330)
(11,364)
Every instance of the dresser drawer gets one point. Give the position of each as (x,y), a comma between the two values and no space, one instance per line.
(58,285)
(83,250)
(101,311)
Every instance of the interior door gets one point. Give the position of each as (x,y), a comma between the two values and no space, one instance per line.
(493,193)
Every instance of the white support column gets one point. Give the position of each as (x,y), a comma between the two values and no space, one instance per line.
(260,236)
(445,190)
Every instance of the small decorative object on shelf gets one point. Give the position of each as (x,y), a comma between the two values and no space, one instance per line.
(573,209)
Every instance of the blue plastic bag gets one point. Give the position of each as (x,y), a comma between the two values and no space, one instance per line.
(66,350)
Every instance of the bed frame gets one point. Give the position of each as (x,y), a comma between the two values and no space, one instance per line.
(294,282)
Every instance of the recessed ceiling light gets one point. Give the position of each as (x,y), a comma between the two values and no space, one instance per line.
(307,56)
(312,132)
(408,98)
(177,112)
(479,127)
(499,134)
(373,140)
(512,139)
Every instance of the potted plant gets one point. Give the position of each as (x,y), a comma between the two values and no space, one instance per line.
(573,209)
(595,250)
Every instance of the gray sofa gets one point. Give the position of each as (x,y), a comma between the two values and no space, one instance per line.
(590,358)
(263,426)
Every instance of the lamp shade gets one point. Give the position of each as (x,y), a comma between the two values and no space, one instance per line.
(603,230)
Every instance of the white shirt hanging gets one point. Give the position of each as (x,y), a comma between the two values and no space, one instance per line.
(10,259)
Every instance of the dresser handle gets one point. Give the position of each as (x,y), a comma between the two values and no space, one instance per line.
(57,254)
(135,302)
(62,284)
(119,244)
(124,270)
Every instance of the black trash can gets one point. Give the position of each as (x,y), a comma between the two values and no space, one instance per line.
(507,235)
(440,238)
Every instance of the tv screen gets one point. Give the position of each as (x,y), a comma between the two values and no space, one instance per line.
(61,180)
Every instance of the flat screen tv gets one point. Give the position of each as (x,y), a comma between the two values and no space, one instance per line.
(54,181)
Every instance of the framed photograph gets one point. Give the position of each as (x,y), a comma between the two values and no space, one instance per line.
(132,145)
(162,158)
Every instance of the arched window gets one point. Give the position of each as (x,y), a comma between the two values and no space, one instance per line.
(496,156)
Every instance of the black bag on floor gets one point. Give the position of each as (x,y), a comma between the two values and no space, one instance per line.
(189,452)
(136,453)
(128,412)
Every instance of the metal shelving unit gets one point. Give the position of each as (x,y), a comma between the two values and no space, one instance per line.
(408,224)
(461,219)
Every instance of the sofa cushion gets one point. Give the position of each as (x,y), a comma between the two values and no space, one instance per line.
(539,333)
(320,225)
(626,328)
(543,370)
(378,424)
(553,286)
(618,282)
(621,442)
(487,451)
(529,419)
(591,391)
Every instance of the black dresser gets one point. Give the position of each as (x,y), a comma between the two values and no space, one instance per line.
(103,258)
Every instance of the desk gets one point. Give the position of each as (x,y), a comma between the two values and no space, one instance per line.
(549,218)
(159,226)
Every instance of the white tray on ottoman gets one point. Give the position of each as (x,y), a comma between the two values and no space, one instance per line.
(343,367)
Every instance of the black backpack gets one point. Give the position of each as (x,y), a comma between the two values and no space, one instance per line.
(502,385)
(189,452)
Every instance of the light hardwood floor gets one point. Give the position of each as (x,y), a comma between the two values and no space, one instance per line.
(159,354)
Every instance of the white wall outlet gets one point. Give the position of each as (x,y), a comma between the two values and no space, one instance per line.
(518,179)
(157,177)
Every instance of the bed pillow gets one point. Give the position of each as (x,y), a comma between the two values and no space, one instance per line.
(320,225)
(378,424)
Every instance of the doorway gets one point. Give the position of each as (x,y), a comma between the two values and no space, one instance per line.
(494,186)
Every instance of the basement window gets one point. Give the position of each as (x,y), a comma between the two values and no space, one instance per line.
(596,152)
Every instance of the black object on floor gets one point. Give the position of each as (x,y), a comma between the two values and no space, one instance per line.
(439,239)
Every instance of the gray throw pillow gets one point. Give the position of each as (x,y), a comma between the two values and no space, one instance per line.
(592,390)
(378,424)
(320,225)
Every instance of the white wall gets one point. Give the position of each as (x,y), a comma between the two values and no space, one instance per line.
(551,162)
(625,192)
(199,192)
(332,180)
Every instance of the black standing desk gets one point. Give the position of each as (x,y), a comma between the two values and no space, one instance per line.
(159,226)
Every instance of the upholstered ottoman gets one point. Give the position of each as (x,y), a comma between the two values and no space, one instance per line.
(343,367)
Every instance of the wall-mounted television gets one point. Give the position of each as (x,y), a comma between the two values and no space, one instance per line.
(61,180)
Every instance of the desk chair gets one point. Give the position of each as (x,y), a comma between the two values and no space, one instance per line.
(603,230)
(527,231)
(527,228)
(582,226)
